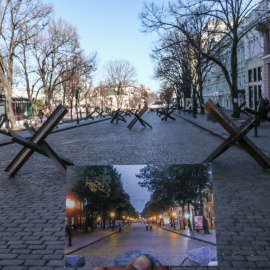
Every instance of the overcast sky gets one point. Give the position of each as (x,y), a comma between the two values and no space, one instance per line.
(112,28)
(139,196)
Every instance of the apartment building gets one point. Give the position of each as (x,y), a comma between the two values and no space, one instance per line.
(253,63)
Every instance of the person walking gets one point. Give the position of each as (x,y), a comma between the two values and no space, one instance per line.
(40,115)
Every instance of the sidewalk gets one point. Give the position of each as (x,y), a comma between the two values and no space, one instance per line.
(207,238)
(81,240)
(263,131)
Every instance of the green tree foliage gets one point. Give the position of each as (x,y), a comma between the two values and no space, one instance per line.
(101,190)
(40,105)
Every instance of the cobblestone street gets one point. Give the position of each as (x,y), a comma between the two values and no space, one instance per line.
(167,247)
(32,230)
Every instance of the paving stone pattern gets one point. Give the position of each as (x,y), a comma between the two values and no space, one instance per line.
(32,204)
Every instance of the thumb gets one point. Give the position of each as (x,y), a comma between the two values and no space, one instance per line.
(140,263)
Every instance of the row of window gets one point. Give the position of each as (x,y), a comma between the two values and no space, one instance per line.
(255,74)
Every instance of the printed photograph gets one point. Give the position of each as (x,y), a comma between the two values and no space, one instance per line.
(116,213)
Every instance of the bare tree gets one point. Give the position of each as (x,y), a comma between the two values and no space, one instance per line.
(119,75)
(59,57)
(17,19)
(166,94)
(227,17)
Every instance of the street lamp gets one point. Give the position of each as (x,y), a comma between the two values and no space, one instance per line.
(70,205)
(160,217)
(76,97)
(112,216)
(194,87)
(3,100)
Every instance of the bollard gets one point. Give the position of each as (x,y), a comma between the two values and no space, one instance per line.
(120,228)
(146,228)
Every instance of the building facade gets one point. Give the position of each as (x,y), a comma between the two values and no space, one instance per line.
(253,63)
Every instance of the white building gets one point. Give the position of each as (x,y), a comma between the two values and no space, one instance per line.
(253,65)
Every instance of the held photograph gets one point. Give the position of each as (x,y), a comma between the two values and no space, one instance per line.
(115,213)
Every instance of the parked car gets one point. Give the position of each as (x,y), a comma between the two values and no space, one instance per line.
(157,104)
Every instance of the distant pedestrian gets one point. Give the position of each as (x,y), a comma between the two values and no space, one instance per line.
(40,115)
(188,232)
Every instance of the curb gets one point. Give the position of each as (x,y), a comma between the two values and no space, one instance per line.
(216,134)
(68,253)
(75,250)
(194,238)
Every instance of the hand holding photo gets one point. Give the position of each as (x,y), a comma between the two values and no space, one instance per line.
(117,213)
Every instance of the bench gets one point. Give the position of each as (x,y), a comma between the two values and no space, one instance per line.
(38,144)
(237,135)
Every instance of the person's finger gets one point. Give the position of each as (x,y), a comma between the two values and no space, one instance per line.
(140,263)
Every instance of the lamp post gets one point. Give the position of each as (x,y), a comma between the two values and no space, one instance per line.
(112,216)
(70,205)
(3,99)
(174,215)
(160,217)
(194,87)
(76,97)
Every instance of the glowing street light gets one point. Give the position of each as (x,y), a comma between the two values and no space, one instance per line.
(112,216)
(70,204)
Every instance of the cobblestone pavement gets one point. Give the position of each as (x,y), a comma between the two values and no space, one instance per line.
(211,238)
(167,247)
(81,239)
(32,231)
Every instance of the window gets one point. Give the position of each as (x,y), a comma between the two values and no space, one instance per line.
(250,78)
(250,90)
(239,81)
(260,91)
(255,93)
(255,74)
(259,73)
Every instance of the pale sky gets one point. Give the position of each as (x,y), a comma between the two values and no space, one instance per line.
(138,196)
(112,29)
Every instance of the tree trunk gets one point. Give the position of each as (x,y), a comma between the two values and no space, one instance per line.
(183,215)
(8,95)
(234,89)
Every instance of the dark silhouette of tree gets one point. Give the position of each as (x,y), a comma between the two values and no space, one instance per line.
(101,190)
(177,184)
